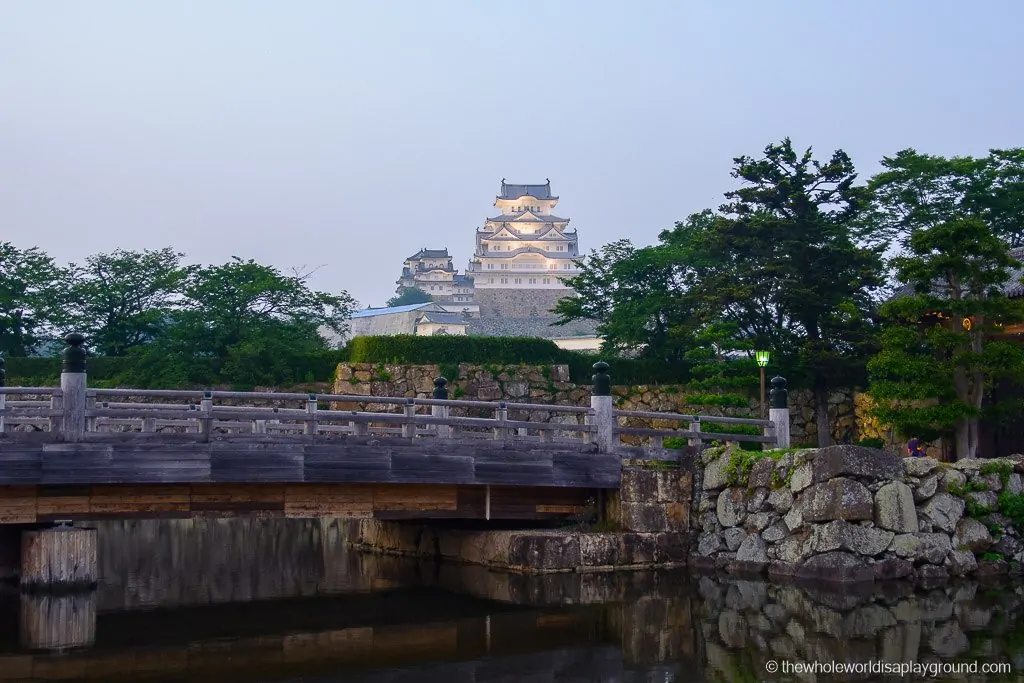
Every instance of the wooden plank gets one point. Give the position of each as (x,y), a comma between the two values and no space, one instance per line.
(409,468)
(257,463)
(62,507)
(305,500)
(407,497)
(18,504)
(238,493)
(20,465)
(111,500)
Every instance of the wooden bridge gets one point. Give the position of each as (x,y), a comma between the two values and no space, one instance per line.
(75,452)
(78,453)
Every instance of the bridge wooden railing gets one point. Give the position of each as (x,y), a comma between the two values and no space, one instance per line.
(75,412)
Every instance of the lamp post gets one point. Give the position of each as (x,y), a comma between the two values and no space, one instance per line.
(762,363)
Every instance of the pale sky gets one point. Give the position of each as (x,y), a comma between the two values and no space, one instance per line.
(352,134)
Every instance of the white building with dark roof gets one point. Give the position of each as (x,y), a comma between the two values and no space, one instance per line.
(431,270)
(526,246)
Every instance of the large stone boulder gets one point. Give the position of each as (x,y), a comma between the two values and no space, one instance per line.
(927,487)
(780,500)
(971,535)
(835,567)
(922,547)
(714,472)
(962,562)
(732,507)
(855,461)
(919,467)
(762,473)
(894,508)
(952,479)
(838,498)
(795,548)
(709,544)
(840,535)
(944,510)
(752,550)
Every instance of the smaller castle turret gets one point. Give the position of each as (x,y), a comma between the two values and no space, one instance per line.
(431,271)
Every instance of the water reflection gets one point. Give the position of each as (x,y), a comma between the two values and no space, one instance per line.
(281,600)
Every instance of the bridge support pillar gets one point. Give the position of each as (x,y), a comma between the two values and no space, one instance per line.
(61,557)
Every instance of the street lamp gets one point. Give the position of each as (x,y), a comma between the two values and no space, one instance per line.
(762,362)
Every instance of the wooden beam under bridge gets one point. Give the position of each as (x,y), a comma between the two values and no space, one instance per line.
(40,504)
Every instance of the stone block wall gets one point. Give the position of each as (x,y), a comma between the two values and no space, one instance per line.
(852,514)
(848,414)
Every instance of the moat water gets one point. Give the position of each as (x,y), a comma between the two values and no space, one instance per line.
(282,600)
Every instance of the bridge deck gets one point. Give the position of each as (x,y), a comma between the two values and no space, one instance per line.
(187,475)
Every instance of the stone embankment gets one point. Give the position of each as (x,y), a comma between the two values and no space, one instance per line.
(851,514)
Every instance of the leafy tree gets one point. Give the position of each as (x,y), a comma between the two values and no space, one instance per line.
(636,295)
(410,296)
(244,318)
(31,298)
(792,268)
(126,298)
(917,191)
(932,374)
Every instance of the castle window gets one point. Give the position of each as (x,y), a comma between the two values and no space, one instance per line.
(504,266)
(533,280)
(547,280)
(568,266)
(491,280)
(519,280)
(504,280)
(490,266)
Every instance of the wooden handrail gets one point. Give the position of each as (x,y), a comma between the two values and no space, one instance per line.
(679,417)
(21,391)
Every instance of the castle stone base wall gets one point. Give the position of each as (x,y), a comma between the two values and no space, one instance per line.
(518,303)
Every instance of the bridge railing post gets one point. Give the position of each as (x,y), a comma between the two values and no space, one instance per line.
(206,406)
(501,433)
(73,389)
(778,412)
(601,403)
(311,414)
(695,441)
(441,393)
(409,426)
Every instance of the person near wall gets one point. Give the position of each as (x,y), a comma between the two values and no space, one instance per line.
(914,449)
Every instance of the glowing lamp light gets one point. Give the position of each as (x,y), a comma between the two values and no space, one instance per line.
(762,358)
(967,323)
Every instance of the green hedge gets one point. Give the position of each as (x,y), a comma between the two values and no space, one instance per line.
(446,351)
(453,349)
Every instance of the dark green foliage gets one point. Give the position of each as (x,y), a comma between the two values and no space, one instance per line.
(414,349)
(412,295)
(497,351)
(724,400)
(932,375)
(33,299)
(1012,505)
(124,299)
(788,265)
(871,442)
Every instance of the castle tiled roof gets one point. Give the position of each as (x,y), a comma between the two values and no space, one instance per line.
(443,319)
(1013,287)
(512,191)
(526,217)
(429,253)
(528,250)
